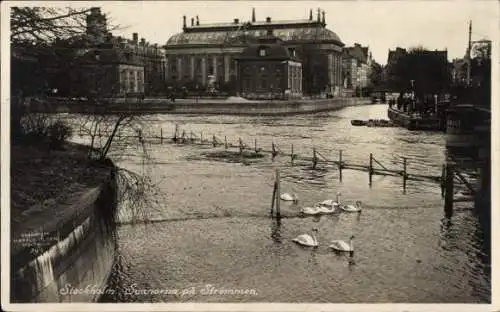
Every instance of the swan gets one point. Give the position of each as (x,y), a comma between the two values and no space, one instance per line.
(307,240)
(331,202)
(352,208)
(311,210)
(341,245)
(289,197)
(326,210)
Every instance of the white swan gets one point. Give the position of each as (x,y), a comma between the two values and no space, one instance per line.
(307,240)
(289,197)
(341,245)
(331,202)
(311,210)
(326,210)
(352,208)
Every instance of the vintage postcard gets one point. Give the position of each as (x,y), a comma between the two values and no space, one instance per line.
(249,155)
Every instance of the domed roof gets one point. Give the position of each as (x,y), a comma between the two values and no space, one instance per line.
(301,34)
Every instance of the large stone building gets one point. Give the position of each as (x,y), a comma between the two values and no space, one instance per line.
(202,51)
(270,70)
(357,62)
(140,53)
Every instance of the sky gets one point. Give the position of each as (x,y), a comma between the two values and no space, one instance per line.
(380,25)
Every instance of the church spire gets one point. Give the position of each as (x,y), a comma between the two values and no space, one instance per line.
(253,15)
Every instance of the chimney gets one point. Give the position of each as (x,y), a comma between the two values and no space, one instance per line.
(268,19)
(310,14)
(253,15)
(236,21)
(197,21)
(323,21)
(135,37)
(143,42)
(318,17)
(184,21)
(192,21)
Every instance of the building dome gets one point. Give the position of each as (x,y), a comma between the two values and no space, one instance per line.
(301,34)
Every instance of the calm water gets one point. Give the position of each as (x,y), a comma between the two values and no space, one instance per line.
(215,227)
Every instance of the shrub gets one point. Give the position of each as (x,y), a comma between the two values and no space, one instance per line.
(58,133)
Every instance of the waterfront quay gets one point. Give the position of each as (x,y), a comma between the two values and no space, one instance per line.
(226,106)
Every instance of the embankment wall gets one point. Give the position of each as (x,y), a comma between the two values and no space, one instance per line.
(76,267)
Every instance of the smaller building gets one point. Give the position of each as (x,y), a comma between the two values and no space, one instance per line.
(356,67)
(109,71)
(267,69)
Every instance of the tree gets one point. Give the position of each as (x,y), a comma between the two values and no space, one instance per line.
(422,70)
(376,75)
(52,41)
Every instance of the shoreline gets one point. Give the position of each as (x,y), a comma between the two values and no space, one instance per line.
(200,106)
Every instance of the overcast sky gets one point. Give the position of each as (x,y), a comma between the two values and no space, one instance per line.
(381,25)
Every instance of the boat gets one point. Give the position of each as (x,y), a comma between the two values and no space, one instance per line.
(414,121)
(357,122)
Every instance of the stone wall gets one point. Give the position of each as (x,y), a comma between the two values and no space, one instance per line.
(76,267)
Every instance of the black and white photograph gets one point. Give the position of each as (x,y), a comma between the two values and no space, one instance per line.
(249,155)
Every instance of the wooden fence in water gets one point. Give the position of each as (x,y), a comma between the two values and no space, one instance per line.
(449,176)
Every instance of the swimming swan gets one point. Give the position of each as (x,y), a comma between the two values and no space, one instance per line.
(288,197)
(307,240)
(311,210)
(352,208)
(341,245)
(331,202)
(326,210)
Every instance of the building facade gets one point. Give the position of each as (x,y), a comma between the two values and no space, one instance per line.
(202,50)
(269,70)
(356,66)
(110,71)
(150,56)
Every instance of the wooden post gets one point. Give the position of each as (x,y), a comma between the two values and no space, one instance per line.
(448,200)
(405,176)
(292,156)
(191,136)
(256,146)
(225,142)
(274,153)
(278,212)
(161,135)
(241,146)
(443,179)
(183,136)
(274,198)
(340,165)
(214,142)
(370,170)
(201,138)
(315,159)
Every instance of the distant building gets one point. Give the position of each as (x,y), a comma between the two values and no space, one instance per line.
(356,67)
(150,57)
(459,71)
(269,70)
(204,50)
(112,71)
